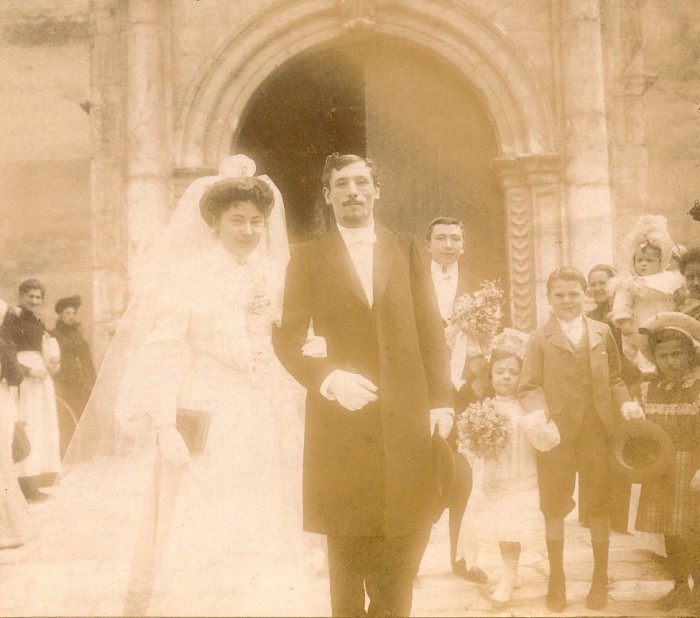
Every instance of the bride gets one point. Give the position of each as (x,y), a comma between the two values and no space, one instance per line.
(187,464)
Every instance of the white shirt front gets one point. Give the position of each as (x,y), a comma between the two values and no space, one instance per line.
(445,284)
(360,243)
(573,329)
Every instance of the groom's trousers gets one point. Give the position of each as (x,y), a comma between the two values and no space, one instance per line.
(385,567)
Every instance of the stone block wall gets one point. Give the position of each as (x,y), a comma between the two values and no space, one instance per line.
(45,150)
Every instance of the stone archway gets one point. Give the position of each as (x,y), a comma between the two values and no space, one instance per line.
(528,162)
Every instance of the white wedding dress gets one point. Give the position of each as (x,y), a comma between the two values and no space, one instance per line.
(126,531)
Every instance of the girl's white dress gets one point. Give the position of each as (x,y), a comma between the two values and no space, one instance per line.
(509,509)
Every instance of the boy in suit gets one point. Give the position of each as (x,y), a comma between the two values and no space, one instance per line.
(571,371)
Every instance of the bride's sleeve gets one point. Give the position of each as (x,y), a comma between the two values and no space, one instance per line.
(154,371)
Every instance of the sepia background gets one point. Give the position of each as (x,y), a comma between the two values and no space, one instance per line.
(548,126)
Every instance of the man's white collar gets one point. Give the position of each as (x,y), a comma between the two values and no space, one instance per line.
(436,269)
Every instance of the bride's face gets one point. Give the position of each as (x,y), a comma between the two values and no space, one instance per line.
(240,227)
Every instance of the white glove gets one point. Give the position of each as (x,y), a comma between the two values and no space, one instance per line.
(695,482)
(444,418)
(352,390)
(315,347)
(172,446)
(631,410)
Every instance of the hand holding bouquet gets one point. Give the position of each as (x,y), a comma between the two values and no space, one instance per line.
(484,431)
(478,315)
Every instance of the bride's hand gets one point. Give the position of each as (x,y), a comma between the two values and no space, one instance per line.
(172,446)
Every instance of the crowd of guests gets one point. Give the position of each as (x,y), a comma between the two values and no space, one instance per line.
(618,347)
(46,380)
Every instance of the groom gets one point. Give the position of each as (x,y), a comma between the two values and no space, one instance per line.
(372,400)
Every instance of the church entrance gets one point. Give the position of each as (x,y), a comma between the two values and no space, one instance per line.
(415,115)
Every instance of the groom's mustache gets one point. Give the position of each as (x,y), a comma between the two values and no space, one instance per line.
(352,203)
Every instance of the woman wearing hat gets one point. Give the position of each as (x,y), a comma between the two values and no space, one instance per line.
(669,504)
(76,377)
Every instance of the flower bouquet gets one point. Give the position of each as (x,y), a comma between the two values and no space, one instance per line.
(484,431)
(478,316)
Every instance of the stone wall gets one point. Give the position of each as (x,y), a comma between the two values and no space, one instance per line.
(45,150)
(671,35)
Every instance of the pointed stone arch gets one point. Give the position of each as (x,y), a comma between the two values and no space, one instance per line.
(528,159)
(459,34)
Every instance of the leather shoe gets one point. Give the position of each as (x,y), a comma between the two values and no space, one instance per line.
(474,574)
(556,594)
(597,597)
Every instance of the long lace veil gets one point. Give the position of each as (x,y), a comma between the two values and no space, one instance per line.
(93,525)
(103,430)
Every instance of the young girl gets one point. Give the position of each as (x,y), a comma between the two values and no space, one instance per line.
(669,505)
(509,511)
(650,286)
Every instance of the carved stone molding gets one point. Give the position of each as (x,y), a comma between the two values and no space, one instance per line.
(535,232)
(358,13)
(461,34)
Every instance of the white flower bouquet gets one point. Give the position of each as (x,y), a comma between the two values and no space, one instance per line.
(484,431)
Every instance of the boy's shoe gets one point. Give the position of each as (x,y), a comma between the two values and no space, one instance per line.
(475,574)
(556,594)
(680,596)
(597,596)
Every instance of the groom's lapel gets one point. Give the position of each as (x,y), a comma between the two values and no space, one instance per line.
(385,250)
(336,254)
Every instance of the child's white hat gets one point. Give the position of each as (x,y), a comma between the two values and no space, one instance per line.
(648,230)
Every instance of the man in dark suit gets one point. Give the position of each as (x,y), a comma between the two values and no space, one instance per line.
(372,400)
(445,245)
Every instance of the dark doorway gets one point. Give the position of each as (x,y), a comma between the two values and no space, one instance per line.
(414,114)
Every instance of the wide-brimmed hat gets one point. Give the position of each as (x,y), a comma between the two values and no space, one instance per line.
(640,450)
(444,466)
(672,320)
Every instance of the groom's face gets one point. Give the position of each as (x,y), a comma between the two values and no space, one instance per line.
(351,193)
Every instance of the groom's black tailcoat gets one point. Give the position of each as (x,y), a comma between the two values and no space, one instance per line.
(367,472)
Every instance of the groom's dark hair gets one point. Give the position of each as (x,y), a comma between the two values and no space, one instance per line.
(337,161)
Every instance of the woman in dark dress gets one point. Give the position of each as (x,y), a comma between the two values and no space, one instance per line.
(598,279)
(37,398)
(76,377)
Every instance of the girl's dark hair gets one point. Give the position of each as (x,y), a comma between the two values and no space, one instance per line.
(227,193)
(692,256)
(497,355)
(664,335)
(32,284)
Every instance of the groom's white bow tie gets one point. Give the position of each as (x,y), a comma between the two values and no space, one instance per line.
(361,237)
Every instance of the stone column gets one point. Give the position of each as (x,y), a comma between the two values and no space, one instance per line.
(589,201)
(535,233)
(108,196)
(625,86)
(148,151)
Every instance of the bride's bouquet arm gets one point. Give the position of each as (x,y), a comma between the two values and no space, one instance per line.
(289,337)
(152,380)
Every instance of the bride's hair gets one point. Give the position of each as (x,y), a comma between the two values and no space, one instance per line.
(231,191)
